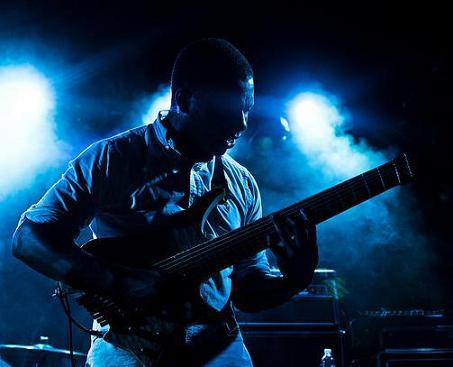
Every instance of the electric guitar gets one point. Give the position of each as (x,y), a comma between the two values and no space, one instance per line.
(185,253)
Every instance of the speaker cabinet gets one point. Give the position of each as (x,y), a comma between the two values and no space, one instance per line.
(292,345)
(297,332)
(415,357)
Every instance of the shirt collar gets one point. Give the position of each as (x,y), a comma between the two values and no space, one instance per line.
(162,134)
(168,145)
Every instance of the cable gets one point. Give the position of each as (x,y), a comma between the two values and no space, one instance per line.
(62,296)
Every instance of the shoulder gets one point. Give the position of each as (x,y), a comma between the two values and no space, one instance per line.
(129,144)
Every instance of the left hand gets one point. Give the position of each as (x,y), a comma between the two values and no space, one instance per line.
(296,250)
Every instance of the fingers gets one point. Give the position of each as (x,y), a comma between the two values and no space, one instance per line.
(308,244)
(296,233)
(298,228)
(276,244)
(281,227)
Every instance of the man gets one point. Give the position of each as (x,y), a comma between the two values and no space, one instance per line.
(125,184)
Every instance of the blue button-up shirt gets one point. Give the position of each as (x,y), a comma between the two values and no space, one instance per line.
(120,185)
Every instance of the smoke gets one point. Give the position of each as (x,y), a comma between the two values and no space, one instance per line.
(375,247)
(158,101)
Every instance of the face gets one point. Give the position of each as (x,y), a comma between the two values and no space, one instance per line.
(214,119)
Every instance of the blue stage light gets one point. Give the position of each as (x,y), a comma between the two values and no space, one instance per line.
(314,118)
(27,140)
(317,125)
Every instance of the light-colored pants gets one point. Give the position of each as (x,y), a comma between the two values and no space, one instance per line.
(105,354)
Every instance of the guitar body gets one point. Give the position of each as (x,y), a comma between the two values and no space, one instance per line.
(142,332)
(174,234)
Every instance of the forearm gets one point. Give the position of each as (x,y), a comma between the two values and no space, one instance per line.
(259,291)
(52,252)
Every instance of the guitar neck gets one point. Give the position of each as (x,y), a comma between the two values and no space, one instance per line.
(212,256)
(346,195)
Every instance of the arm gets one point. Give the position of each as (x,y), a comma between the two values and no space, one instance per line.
(49,249)
(44,238)
(255,288)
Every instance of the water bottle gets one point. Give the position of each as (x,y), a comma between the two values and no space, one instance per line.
(327,359)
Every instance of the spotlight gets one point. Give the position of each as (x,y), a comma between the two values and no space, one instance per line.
(313,117)
(25,100)
(317,127)
(26,139)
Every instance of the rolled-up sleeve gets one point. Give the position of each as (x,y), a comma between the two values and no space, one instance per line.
(73,200)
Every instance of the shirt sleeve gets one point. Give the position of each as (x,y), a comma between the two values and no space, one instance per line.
(74,199)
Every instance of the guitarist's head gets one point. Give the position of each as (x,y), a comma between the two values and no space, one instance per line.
(212,94)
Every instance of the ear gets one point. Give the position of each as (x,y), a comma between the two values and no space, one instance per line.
(183,99)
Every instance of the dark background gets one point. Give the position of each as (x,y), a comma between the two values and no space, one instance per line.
(391,66)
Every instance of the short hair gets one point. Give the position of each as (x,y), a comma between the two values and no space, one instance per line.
(209,62)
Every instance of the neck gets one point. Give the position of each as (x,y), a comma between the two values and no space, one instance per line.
(172,123)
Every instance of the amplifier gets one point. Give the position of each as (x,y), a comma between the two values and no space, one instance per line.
(415,357)
(402,338)
(302,308)
(296,333)
(318,304)
(293,346)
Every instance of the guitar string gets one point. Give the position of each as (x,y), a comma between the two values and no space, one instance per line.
(254,224)
(180,261)
(314,198)
(289,210)
(188,256)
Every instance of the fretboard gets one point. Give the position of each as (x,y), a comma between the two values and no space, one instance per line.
(347,194)
(212,256)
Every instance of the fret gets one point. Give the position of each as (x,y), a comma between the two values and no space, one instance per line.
(317,207)
(389,175)
(361,191)
(348,196)
(374,183)
(331,199)
(366,185)
(396,172)
(380,177)
(330,205)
